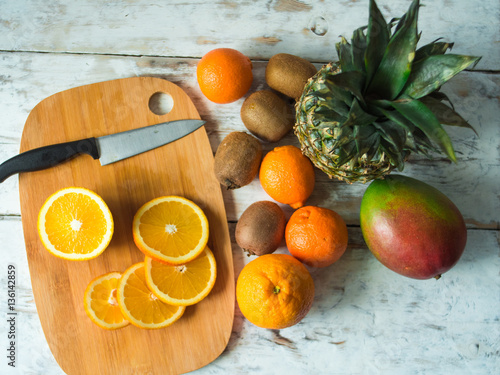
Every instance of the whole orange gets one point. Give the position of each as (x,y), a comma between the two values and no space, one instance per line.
(316,236)
(287,175)
(224,75)
(275,291)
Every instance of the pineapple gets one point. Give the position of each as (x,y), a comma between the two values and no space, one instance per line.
(361,117)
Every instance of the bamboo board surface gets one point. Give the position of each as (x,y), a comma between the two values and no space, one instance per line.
(365,319)
(181,168)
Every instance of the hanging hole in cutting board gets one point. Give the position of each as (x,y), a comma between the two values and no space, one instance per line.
(161,103)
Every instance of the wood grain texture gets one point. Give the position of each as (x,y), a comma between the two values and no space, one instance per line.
(475,96)
(365,319)
(181,168)
(258,28)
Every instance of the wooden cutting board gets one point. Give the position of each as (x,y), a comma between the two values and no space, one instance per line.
(185,168)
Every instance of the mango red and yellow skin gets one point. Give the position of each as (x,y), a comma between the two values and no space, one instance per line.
(411,227)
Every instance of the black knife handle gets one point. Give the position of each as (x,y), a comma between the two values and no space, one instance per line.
(47,156)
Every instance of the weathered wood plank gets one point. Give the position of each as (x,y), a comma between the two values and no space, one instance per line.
(33,355)
(28,78)
(364,316)
(9,189)
(259,28)
(381,322)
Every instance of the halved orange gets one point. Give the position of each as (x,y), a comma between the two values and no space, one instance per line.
(75,223)
(100,302)
(139,305)
(184,284)
(171,229)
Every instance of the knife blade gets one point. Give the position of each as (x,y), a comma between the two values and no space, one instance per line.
(108,149)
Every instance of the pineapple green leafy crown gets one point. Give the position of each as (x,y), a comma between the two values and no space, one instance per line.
(361,117)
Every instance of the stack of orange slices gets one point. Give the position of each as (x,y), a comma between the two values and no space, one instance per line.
(179,269)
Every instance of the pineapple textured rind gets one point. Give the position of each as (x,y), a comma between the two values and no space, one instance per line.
(358,118)
(323,141)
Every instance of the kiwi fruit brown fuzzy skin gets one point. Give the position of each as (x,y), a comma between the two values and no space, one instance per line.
(237,160)
(288,74)
(267,116)
(261,228)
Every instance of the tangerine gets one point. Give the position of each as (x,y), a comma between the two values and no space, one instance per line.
(100,304)
(287,176)
(185,284)
(275,291)
(75,223)
(316,236)
(139,305)
(224,75)
(170,229)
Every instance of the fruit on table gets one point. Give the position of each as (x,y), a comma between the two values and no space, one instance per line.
(287,176)
(184,284)
(171,229)
(100,302)
(411,227)
(139,305)
(267,116)
(288,74)
(260,228)
(316,236)
(224,75)
(75,223)
(360,117)
(275,291)
(237,160)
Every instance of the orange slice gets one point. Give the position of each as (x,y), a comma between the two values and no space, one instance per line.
(184,284)
(75,223)
(141,307)
(171,229)
(100,302)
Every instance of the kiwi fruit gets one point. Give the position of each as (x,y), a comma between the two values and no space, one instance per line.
(237,160)
(261,228)
(267,116)
(288,74)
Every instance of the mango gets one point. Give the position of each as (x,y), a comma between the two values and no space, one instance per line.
(411,227)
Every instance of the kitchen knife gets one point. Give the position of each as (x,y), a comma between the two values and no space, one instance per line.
(108,149)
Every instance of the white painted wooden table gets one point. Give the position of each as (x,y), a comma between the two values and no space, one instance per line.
(365,318)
